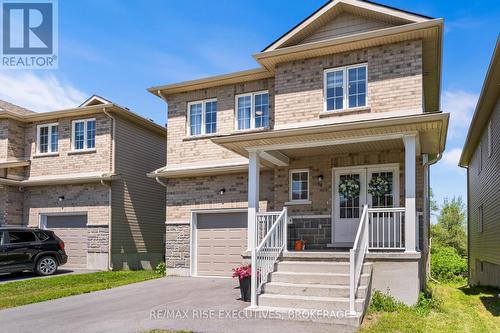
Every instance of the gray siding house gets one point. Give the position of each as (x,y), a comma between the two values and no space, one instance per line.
(481,157)
(82,173)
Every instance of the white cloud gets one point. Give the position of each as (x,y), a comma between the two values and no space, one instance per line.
(460,104)
(451,157)
(39,92)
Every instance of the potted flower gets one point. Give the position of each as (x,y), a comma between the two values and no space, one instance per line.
(244,273)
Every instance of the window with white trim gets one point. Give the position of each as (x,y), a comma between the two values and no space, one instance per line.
(480,218)
(252,110)
(299,185)
(202,117)
(489,139)
(47,138)
(345,87)
(83,137)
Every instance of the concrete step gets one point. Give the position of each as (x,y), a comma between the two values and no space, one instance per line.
(316,266)
(309,302)
(326,290)
(334,317)
(315,256)
(316,278)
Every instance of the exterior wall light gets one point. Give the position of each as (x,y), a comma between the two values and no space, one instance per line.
(222,191)
(320,179)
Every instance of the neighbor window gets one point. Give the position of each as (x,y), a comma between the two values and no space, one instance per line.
(84,134)
(48,138)
(202,117)
(480,219)
(299,185)
(345,87)
(252,110)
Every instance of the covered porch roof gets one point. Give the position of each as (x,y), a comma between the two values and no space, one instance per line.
(278,146)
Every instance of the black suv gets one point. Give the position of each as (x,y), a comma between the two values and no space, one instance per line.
(37,250)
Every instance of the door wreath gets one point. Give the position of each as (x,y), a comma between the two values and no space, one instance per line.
(349,187)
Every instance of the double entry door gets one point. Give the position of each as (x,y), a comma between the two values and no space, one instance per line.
(347,209)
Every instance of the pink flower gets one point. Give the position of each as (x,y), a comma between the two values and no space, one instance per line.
(242,272)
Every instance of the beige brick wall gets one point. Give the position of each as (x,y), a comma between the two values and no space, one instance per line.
(4,138)
(187,194)
(66,162)
(90,198)
(394,81)
(181,149)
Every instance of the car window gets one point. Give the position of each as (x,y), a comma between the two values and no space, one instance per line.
(42,236)
(2,238)
(16,237)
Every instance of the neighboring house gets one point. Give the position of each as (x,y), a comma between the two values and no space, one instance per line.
(481,157)
(82,173)
(349,95)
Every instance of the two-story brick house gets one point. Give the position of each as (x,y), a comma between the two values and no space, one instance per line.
(82,173)
(329,143)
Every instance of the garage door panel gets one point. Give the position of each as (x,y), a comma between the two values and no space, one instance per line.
(221,238)
(74,233)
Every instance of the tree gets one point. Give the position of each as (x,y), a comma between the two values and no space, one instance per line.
(433,203)
(450,228)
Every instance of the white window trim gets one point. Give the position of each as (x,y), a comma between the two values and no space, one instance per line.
(489,139)
(203,120)
(292,201)
(480,218)
(73,135)
(252,109)
(49,141)
(345,101)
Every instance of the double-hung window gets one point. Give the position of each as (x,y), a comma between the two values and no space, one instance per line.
(252,110)
(299,185)
(202,117)
(48,137)
(83,134)
(345,87)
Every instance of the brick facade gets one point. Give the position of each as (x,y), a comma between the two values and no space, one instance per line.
(177,246)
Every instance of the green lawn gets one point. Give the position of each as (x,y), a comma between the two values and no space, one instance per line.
(43,289)
(463,309)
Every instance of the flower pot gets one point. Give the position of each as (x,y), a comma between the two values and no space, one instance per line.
(246,288)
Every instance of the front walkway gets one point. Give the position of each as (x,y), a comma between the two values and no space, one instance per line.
(129,309)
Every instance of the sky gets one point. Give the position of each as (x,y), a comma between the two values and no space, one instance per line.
(117,49)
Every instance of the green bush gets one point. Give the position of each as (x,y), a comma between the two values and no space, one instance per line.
(161,269)
(447,264)
(427,301)
(385,303)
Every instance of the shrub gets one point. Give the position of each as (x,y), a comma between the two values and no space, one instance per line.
(161,269)
(447,264)
(385,303)
(427,301)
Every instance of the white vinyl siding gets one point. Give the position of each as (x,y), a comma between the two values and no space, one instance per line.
(83,134)
(299,185)
(252,110)
(202,117)
(47,138)
(489,139)
(345,87)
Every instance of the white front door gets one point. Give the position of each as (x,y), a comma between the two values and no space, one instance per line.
(347,210)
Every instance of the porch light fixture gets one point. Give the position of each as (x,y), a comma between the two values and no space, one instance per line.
(320,179)
(61,198)
(222,191)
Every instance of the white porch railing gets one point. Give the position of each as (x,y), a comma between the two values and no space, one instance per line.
(357,257)
(264,222)
(268,250)
(386,228)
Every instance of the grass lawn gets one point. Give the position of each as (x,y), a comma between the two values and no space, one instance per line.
(38,290)
(463,309)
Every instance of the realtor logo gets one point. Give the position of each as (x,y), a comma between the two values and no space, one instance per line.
(29,34)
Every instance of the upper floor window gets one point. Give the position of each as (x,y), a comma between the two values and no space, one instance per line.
(345,87)
(48,137)
(252,110)
(202,117)
(84,134)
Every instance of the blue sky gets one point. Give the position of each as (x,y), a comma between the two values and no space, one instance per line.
(119,48)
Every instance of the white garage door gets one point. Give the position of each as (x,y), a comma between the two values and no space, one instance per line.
(72,229)
(221,239)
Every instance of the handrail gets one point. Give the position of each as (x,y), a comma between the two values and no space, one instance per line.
(388,209)
(266,254)
(386,228)
(356,258)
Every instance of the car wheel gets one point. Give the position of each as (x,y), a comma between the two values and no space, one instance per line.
(46,266)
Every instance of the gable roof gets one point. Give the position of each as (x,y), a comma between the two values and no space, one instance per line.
(95,100)
(490,94)
(15,109)
(333,8)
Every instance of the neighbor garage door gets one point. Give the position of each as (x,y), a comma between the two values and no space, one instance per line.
(72,229)
(221,238)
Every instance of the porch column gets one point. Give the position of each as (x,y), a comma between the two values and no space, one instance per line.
(410,142)
(253,198)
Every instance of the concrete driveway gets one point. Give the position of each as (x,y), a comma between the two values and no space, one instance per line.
(177,303)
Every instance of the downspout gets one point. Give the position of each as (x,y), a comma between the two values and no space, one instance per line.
(112,171)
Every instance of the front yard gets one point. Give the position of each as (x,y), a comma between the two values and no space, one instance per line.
(38,290)
(461,309)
